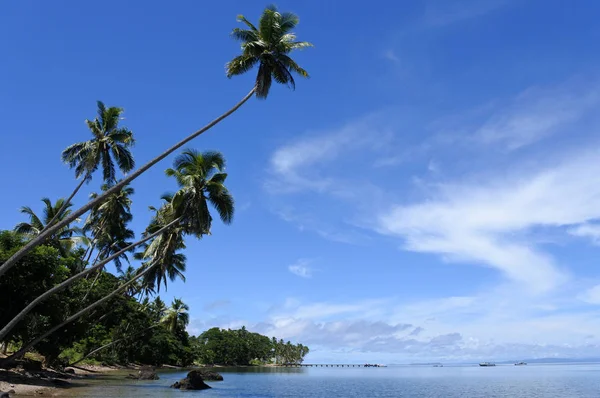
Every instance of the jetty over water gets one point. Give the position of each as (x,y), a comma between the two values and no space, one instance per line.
(335,365)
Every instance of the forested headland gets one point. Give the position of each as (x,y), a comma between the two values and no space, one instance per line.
(133,327)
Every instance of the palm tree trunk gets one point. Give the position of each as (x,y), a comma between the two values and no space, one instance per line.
(72,318)
(9,326)
(110,344)
(9,263)
(66,203)
(93,283)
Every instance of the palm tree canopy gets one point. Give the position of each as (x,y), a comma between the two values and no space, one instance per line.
(108,223)
(161,254)
(109,144)
(177,315)
(201,180)
(65,239)
(268,46)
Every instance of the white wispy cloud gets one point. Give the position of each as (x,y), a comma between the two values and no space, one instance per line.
(391,56)
(500,324)
(591,295)
(589,230)
(297,166)
(536,114)
(442,13)
(301,268)
(475,221)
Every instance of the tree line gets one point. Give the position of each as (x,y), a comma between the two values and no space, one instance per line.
(57,296)
(241,347)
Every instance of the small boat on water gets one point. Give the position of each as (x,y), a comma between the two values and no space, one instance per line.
(438,365)
(520,363)
(487,364)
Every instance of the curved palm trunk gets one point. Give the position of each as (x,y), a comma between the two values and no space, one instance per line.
(9,263)
(72,318)
(66,203)
(19,317)
(110,344)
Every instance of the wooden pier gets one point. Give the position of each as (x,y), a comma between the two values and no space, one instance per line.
(335,365)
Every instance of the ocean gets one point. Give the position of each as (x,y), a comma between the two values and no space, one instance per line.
(532,381)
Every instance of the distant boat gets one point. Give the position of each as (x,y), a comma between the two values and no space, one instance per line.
(520,363)
(487,364)
(438,365)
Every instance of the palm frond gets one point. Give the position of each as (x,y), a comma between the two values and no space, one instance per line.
(263,81)
(108,167)
(266,23)
(283,76)
(244,35)
(288,21)
(123,157)
(240,65)
(243,19)
(292,65)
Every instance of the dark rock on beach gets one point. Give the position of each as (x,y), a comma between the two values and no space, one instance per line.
(193,381)
(32,365)
(209,375)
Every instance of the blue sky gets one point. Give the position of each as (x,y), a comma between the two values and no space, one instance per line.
(432,192)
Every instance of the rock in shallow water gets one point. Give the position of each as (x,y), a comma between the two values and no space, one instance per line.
(193,381)
(209,375)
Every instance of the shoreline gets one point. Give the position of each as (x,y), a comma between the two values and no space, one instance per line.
(52,383)
(49,382)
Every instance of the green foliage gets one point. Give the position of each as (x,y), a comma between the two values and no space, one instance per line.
(109,144)
(241,347)
(268,46)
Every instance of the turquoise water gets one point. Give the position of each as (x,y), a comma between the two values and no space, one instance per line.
(551,381)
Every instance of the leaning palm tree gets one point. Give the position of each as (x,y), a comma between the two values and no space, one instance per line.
(188,215)
(177,316)
(201,181)
(268,46)
(280,52)
(109,144)
(64,239)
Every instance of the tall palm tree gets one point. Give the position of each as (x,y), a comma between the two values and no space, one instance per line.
(109,144)
(273,17)
(171,222)
(64,239)
(268,46)
(177,315)
(201,181)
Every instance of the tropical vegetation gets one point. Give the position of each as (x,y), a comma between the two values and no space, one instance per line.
(77,287)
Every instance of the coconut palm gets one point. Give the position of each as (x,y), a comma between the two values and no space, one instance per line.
(107,224)
(64,239)
(235,67)
(268,46)
(201,180)
(177,315)
(109,144)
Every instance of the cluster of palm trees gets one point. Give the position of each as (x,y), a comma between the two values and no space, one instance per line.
(200,178)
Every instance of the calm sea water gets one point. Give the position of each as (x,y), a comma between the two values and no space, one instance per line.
(551,381)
